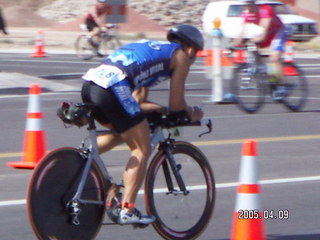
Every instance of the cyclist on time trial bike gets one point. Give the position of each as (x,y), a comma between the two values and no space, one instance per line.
(96,20)
(273,33)
(119,90)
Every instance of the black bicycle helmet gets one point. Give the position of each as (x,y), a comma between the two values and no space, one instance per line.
(186,34)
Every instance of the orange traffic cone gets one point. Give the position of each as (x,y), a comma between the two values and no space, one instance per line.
(288,56)
(248,223)
(201,53)
(209,58)
(34,138)
(288,69)
(39,45)
(239,57)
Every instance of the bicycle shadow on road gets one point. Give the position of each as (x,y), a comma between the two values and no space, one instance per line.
(291,237)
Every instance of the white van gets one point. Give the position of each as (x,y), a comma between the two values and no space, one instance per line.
(299,28)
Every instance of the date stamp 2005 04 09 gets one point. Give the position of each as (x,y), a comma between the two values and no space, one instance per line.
(265,214)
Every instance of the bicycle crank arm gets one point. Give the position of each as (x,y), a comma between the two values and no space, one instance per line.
(74,210)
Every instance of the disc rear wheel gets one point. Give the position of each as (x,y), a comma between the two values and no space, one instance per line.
(51,189)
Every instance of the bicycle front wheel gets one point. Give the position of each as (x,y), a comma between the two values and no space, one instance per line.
(108,43)
(249,89)
(296,87)
(179,215)
(53,184)
(84,48)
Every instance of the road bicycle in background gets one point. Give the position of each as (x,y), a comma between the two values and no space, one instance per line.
(71,188)
(251,84)
(86,48)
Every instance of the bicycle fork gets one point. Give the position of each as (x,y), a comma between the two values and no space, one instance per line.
(170,162)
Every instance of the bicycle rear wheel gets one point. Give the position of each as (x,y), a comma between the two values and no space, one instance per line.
(249,89)
(52,185)
(296,87)
(84,48)
(180,216)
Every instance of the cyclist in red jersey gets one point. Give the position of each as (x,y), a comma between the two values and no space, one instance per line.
(273,32)
(95,20)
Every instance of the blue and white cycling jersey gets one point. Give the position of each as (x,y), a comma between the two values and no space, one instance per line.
(144,64)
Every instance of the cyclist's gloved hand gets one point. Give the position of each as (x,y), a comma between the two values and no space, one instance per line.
(154,118)
(178,118)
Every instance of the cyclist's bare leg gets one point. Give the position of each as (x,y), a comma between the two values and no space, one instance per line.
(138,140)
(95,34)
(108,141)
(275,60)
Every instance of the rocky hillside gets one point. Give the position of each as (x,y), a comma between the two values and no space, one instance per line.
(31,13)
(171,12)
(166,12)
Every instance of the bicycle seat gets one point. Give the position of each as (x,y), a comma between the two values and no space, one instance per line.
(75,114)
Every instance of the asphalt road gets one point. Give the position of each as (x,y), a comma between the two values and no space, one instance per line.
(288,152)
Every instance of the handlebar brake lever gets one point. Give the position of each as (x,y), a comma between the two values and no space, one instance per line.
(209,126)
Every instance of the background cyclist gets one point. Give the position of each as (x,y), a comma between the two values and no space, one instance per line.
(273,33)
(119,89)
(96,20)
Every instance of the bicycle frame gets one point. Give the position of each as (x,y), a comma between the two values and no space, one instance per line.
(79,191)
(157,138)
(291,89)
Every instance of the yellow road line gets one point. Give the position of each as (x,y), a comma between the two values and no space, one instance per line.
(207,143)
(268,139)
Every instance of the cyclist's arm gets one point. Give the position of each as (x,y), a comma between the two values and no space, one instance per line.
(238,40)
(180,64)
(141,96)
(265,24)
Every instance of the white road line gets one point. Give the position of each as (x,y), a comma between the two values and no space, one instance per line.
(12,202)
(199,187)
(75,92)
(51,61)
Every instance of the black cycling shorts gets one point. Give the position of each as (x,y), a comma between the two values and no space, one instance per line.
(114,105)
(91,24)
